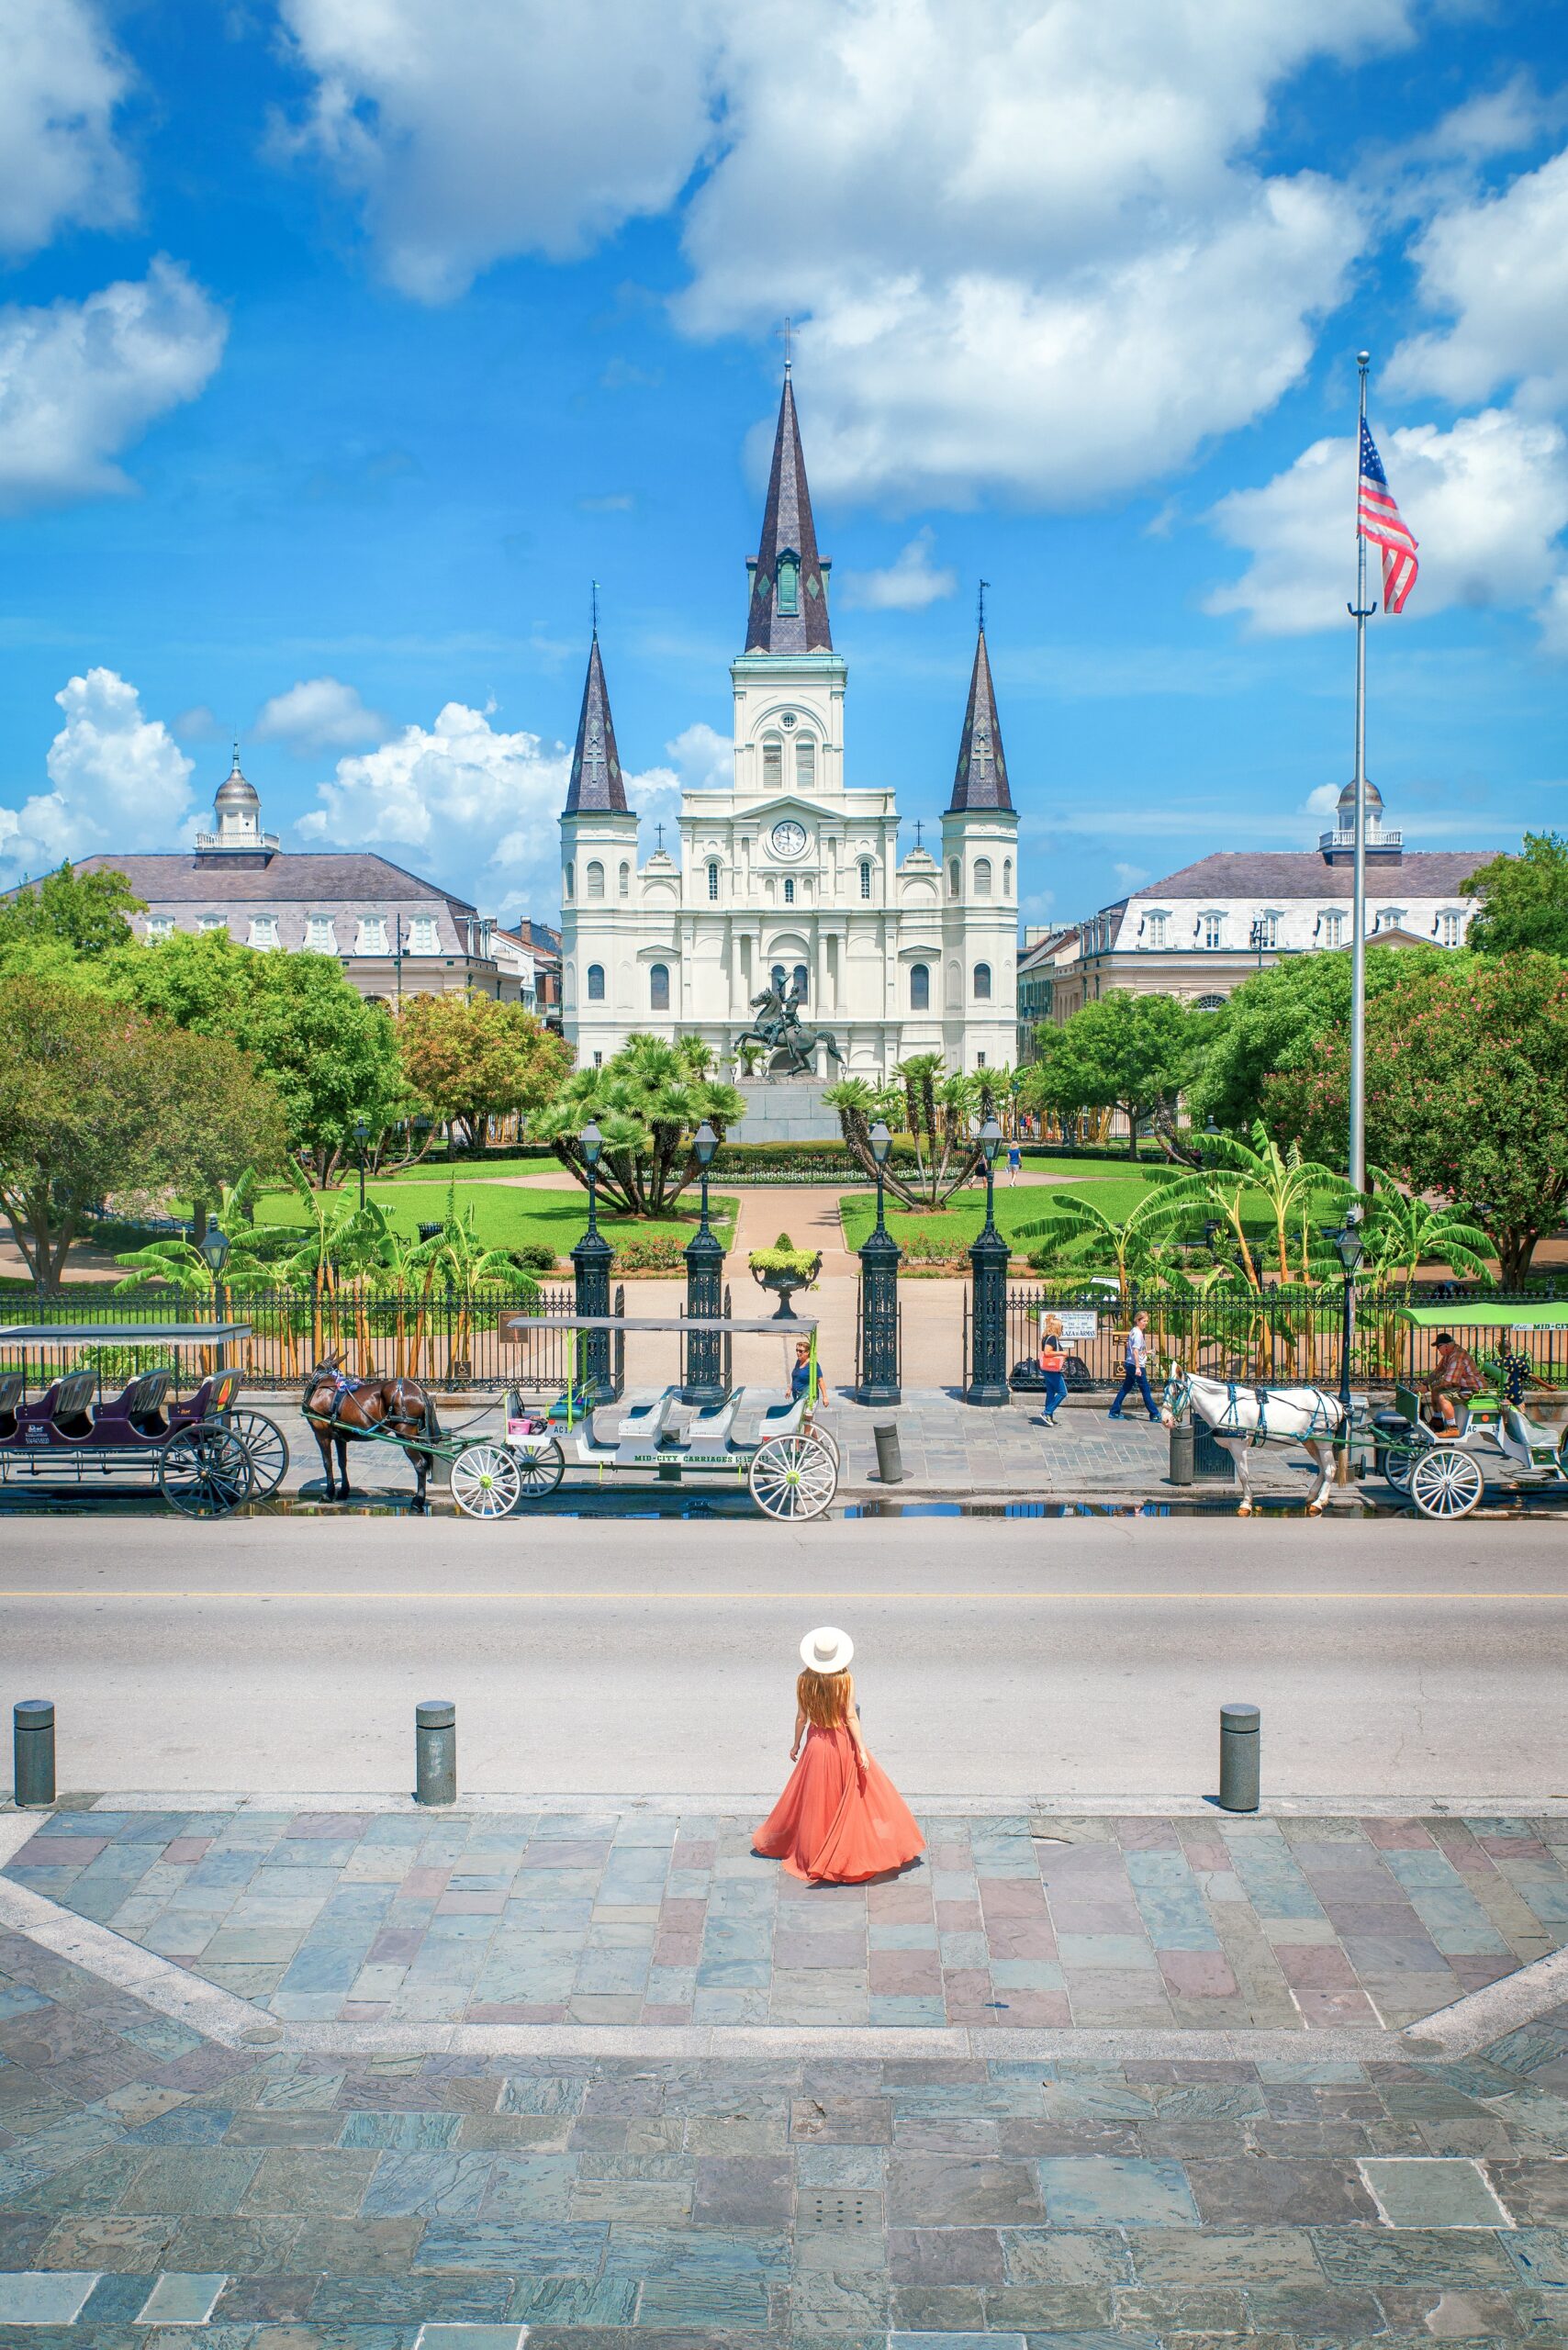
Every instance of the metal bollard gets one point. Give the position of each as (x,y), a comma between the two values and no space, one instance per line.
(1240,1740)
(889,1460)
(1182,1454)
(435,1751)
(32,1746)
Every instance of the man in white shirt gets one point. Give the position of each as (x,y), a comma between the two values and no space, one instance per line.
(1134,1368)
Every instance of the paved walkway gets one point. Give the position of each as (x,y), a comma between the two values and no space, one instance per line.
(1292,1925)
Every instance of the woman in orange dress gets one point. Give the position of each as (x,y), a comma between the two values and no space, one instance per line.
(840,1819)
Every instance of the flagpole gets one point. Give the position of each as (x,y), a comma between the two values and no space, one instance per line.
(1360,613)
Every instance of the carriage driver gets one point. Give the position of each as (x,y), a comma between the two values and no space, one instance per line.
(1453,1380)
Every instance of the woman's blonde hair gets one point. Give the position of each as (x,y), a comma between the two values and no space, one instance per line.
(823,1698)
(1050,1325)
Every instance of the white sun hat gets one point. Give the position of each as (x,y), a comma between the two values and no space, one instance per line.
(827,1649)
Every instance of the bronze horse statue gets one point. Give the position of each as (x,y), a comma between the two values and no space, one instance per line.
(778,1031)
(340,1411)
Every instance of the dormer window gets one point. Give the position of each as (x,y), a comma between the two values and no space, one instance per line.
(423,934)
(372,939)
(1450,927)
(1154,930)
(1211,928)
(1331,927)
(160,926)
(789,584)
(263,930)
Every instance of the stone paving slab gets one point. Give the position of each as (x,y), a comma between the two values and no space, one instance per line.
(159,2190)
(1296,1924)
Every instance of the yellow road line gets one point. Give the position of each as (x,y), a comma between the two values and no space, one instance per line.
(1023,1598)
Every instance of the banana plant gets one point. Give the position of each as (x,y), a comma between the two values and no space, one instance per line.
(1404,1233)
(461,1261)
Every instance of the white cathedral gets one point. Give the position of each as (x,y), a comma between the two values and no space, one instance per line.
(792,876)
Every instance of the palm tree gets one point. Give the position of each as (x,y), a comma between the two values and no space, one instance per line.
(936,1107)
(1078,1236)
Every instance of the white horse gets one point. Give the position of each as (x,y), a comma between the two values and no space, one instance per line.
(1239,1416)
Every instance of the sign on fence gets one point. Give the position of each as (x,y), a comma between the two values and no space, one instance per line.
(1079,1325)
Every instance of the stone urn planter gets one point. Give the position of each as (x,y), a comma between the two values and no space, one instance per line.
(785,1270)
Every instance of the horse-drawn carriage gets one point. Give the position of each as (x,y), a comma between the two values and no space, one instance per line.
(206,1456)
(778,1450)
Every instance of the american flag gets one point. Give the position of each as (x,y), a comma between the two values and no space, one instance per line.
(1377,518)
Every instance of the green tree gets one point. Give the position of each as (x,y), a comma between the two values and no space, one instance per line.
(1078,1236)
(1272,1021)
(1523,899)
(1127,1052)
(95,1099)
(78,913)
(1467,1092)
(936,1106)
(647,1101)
(332,1057)
(469,1057)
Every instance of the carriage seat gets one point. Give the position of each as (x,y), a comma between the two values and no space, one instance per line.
(651,1423)
(11,1389)
(70,1403)
(142,1403)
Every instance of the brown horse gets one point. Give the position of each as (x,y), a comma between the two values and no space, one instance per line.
(340,1411)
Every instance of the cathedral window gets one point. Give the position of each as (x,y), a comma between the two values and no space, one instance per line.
(953,878)
(788,585)
(789,889)
(982,877)
(805,762)
(920,987)
(713,881)
(865,877)
(625,880)
(595,878)
(658,987)
(778,978)
(1007,877)
(596,982)
(802,981)
(982,983)
(772,763)
(571,882)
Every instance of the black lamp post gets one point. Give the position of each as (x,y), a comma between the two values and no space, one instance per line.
(881,1257)
(360,1136)
(989,1256)
(1351,1248)
(591,1261)
(704,1291)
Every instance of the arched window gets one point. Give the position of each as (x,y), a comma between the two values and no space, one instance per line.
(982,983)
(595,878)
(920,987)
(982,877)
(802,979)
(805,762)
(865,876)
(953,878)
(625,880)
(571,881)
(1210,1002)
(712,878)
(658,987)
(778,979)
(772,763)
(596,982)
(789,889)
(1007,877)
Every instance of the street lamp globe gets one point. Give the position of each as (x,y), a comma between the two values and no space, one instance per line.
(989,1141)
(882,1143)
(592,1143)
(705,1142)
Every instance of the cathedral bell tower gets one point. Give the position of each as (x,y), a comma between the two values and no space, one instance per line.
(598,866)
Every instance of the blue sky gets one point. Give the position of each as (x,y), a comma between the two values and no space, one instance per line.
(343,345)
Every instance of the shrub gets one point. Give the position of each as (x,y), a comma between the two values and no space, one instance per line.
(650,1252)
(534,1256)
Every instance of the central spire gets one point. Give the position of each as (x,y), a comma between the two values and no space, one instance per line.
(788,581)
(596,783)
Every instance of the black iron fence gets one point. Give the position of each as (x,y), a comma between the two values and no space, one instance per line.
(445,1341)
(1279,1334)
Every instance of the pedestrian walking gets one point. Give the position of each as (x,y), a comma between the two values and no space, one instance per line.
(840,1819)
(1014,1161)
(1053,1366)
(1134,1368)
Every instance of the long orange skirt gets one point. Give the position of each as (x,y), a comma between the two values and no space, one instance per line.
(827,1828)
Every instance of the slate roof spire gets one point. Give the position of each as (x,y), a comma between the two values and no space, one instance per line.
(788,580)
(596,785)
(980,780)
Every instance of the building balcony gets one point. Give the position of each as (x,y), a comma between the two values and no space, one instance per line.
(1339,847)
(227,845)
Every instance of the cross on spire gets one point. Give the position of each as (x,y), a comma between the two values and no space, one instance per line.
(984,586)
(919,829)
(594,586)
(787,335)
(660,831)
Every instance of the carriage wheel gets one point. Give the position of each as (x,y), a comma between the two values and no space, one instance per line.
(826,1435)
(268,1448)
(205,1471)
(793,1476)
(1445,1482)
(540,1464)
(1396,1468)
(485,1481)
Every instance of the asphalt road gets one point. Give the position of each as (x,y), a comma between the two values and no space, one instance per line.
(995,1659)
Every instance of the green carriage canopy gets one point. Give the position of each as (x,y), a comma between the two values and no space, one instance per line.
(1461,1315)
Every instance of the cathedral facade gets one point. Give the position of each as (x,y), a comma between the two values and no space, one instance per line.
(790,877)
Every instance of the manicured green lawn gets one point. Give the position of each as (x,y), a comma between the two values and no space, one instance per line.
(505,1216)
(434,1170)
(1114,1192)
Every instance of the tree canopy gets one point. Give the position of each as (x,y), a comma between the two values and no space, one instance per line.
(49,926)
(647,1100)
(1124,1051)
(1523,899)
(1467,1091)
(469,1058)
(94,1098)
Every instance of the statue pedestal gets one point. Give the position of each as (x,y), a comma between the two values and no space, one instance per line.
(784,1109)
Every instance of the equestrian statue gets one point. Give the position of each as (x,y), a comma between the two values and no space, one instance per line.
(792,1049)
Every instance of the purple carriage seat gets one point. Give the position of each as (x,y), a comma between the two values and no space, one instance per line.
(68,1406)
(212,1398)
(142,1403)
(10,1403)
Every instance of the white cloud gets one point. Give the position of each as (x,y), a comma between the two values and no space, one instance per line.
(491,127)
(320,714)
(1498,267)
(1129,876)
(61,80)
(908,582)
(1030,244)
(1486,499)
(704,759)
(118,781)
(1323,802)
(80,381)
